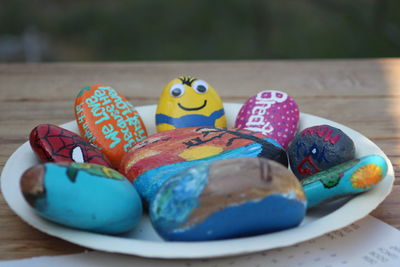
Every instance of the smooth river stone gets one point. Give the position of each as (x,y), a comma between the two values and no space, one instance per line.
(228,199)
(150,163)
(318,148)
(272,113)
(108,121)
(189,102)
(52,143)
(349,178)
(85,196)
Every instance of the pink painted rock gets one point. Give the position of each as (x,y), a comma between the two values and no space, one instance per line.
(52,143)
(273,113)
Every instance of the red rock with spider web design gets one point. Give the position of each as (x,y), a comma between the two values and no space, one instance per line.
(52,143)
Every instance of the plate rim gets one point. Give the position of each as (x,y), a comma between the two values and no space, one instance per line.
(204,249)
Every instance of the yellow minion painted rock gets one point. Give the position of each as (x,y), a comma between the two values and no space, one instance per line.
(189,102)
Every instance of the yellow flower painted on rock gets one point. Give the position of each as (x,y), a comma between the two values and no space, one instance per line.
(366,176)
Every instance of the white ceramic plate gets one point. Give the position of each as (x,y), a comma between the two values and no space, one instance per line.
(144,241)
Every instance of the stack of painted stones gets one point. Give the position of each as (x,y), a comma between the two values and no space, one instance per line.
(199,179)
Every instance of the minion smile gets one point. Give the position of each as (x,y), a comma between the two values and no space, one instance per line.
(189,102)
(192,109)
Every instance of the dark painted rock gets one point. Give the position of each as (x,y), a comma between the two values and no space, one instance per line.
(349,178)
(162,155)
(189,102)
(318,148)
(272,113)
(52,143)
(84,196)
(108,121)
(228,199)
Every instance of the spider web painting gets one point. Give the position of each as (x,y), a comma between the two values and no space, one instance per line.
(54,144)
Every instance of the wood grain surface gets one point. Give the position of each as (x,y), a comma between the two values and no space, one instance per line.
(362,94)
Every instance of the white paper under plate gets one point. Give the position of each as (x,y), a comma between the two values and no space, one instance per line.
(144,241)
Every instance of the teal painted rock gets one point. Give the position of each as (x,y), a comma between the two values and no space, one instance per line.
(227,199)
(84,196)
(349,178)
(160,156)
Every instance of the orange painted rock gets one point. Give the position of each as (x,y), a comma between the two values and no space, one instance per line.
(160,156)
(108,121)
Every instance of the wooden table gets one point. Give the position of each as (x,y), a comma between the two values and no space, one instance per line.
(362,94)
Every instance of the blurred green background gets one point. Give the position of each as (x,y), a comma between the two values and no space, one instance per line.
(124,30)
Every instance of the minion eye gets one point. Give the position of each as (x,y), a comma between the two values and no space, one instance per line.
(200,86)
(177,90)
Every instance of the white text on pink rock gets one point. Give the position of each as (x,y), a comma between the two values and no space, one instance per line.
(264,100)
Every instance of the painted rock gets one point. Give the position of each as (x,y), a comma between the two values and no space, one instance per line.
(108,121)
(52,143)
(84,196)
(153,161)
(349,178)
(318,148)
(272,113)
(227,199)
(189,102)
